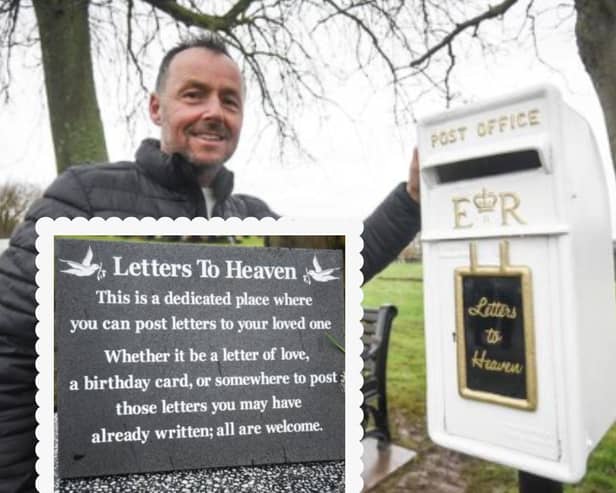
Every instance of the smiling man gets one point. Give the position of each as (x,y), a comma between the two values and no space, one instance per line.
(198,105)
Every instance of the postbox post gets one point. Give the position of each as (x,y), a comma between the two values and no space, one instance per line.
(529,483)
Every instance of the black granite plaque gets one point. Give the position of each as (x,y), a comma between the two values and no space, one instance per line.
(175,356)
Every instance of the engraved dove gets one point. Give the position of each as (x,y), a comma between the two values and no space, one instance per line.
(318,273)
(84,268)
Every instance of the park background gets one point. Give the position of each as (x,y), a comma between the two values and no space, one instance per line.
(354,149)
(355,146)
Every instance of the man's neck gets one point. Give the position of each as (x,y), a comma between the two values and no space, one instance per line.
(206,174)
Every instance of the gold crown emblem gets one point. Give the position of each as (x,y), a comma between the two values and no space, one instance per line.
(485,201)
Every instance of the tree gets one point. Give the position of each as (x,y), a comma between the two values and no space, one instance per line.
(594,30)
(74,116)
(15,198)
(284,45)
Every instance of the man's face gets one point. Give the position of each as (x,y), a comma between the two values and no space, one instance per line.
(200,107)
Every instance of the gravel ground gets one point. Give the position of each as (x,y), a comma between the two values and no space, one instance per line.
(317,477)
(294,478)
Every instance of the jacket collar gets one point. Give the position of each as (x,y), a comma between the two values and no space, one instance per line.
(175,172)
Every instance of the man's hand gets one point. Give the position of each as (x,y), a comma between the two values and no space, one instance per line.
(412,186)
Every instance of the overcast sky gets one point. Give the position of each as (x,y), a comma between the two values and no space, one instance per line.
(359,152)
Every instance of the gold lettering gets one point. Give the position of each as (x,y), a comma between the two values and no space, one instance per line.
(492,309)
(458,213)
(446,137)
(502,123)
(493,336)
(491,124)
(508,122)
(533,117)
(484,363)
(477,309)
(512,121)
(521,119)
(510,209)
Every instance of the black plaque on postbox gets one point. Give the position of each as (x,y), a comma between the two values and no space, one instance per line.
(176,356)
(495,335)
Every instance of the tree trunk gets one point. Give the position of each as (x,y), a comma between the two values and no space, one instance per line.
(76,125)
(596,23)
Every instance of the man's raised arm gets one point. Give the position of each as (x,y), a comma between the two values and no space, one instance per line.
(392,225)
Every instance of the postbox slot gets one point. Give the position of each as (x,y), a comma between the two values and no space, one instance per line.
(497,164)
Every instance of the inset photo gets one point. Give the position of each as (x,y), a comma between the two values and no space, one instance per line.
(204,358)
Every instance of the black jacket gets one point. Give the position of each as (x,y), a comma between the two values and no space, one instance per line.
(155,185)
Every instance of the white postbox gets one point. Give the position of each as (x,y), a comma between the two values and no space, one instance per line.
(520,312)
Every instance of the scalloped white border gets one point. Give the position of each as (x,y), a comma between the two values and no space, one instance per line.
(48,228)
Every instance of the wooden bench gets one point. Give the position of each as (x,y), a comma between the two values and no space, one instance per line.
(377,324)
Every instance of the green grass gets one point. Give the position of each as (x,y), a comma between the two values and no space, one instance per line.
(601,475)
(252,241)
(406,378)
(400,285)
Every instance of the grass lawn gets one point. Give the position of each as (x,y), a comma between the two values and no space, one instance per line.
(400,284)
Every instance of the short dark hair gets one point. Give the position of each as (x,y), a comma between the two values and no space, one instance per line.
(209,41)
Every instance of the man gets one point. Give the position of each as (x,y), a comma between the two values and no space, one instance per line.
(198,104)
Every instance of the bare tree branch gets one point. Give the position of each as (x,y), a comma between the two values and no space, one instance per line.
(286,46)
(15,198)
(446,81)
(190,17)
(11,8)
(491,13)
(346,12)
(129,45)
(238,9)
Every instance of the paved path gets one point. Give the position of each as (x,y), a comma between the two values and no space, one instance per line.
(434,470)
